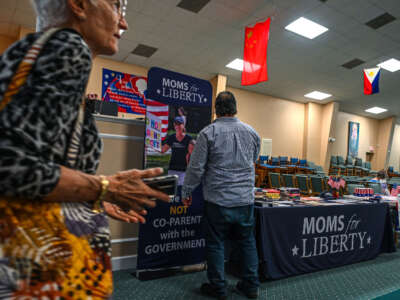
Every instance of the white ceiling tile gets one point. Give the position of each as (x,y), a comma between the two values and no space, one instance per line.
(331,18)
(163,7)
(360,10)
(140,22)
(136,59)
(391,30)
(120,56)
(222,14)
(247,6)
(390,6)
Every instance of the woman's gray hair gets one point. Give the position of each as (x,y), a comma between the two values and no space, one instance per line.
(51,13)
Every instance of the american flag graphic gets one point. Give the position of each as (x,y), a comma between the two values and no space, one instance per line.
(161,111)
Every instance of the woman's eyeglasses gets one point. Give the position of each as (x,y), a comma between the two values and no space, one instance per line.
(120,7)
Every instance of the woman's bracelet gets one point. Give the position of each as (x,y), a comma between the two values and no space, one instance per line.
(97,206)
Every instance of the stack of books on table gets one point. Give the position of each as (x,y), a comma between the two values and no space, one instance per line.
(292,194)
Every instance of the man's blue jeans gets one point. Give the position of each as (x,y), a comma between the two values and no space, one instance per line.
(236,223)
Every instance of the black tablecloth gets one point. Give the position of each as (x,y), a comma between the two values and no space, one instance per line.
(297,240)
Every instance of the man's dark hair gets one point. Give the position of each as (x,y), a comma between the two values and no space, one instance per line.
(225,104)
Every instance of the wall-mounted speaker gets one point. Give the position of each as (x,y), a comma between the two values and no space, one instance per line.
(102,107)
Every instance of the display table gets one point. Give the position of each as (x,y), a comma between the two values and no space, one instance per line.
(297,240)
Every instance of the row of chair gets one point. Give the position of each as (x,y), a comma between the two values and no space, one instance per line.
(349,166)
(315,184)
(282,164)
(307,185)
(282,161)
(392,173)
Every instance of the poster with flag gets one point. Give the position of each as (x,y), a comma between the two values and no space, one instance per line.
(125,89)
(178,108)
(255,53)
(371,80)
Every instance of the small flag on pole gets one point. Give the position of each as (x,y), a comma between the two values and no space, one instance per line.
(255,53)
(371,80)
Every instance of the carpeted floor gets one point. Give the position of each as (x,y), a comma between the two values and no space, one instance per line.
(366,280)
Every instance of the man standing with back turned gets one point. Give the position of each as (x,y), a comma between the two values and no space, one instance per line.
(223,160)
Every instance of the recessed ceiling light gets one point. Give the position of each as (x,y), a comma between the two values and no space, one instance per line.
(236,64)
(376,110)
(306,28)
(391,65)
(317,95)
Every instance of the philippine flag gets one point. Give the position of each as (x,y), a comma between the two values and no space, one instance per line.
(371,80)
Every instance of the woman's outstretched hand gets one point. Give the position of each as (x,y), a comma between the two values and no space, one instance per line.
(118,213)
(128,196)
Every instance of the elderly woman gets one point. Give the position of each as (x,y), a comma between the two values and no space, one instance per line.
(54,235)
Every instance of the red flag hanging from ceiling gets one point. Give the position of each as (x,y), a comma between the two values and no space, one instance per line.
(255,53)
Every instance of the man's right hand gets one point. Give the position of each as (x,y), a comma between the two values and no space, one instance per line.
(187,201)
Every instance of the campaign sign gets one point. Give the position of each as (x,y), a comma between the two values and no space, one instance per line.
(178,108)
(298,240)
(178,89)
(173,235)
(125,89)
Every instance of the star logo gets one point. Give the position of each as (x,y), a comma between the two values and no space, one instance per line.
(295,250)
(250,34)
(369,240)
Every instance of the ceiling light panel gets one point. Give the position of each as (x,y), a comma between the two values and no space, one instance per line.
(236,64)
(376,110)
(306,28)
(317,95)
(391,65)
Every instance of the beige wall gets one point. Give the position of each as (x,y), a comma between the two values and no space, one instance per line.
(23,31)
(5,42)
(368,135)
(218,84)
(394,159)
(329,116)
(318,124)
(277,119)
(312,132)
(384,142)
